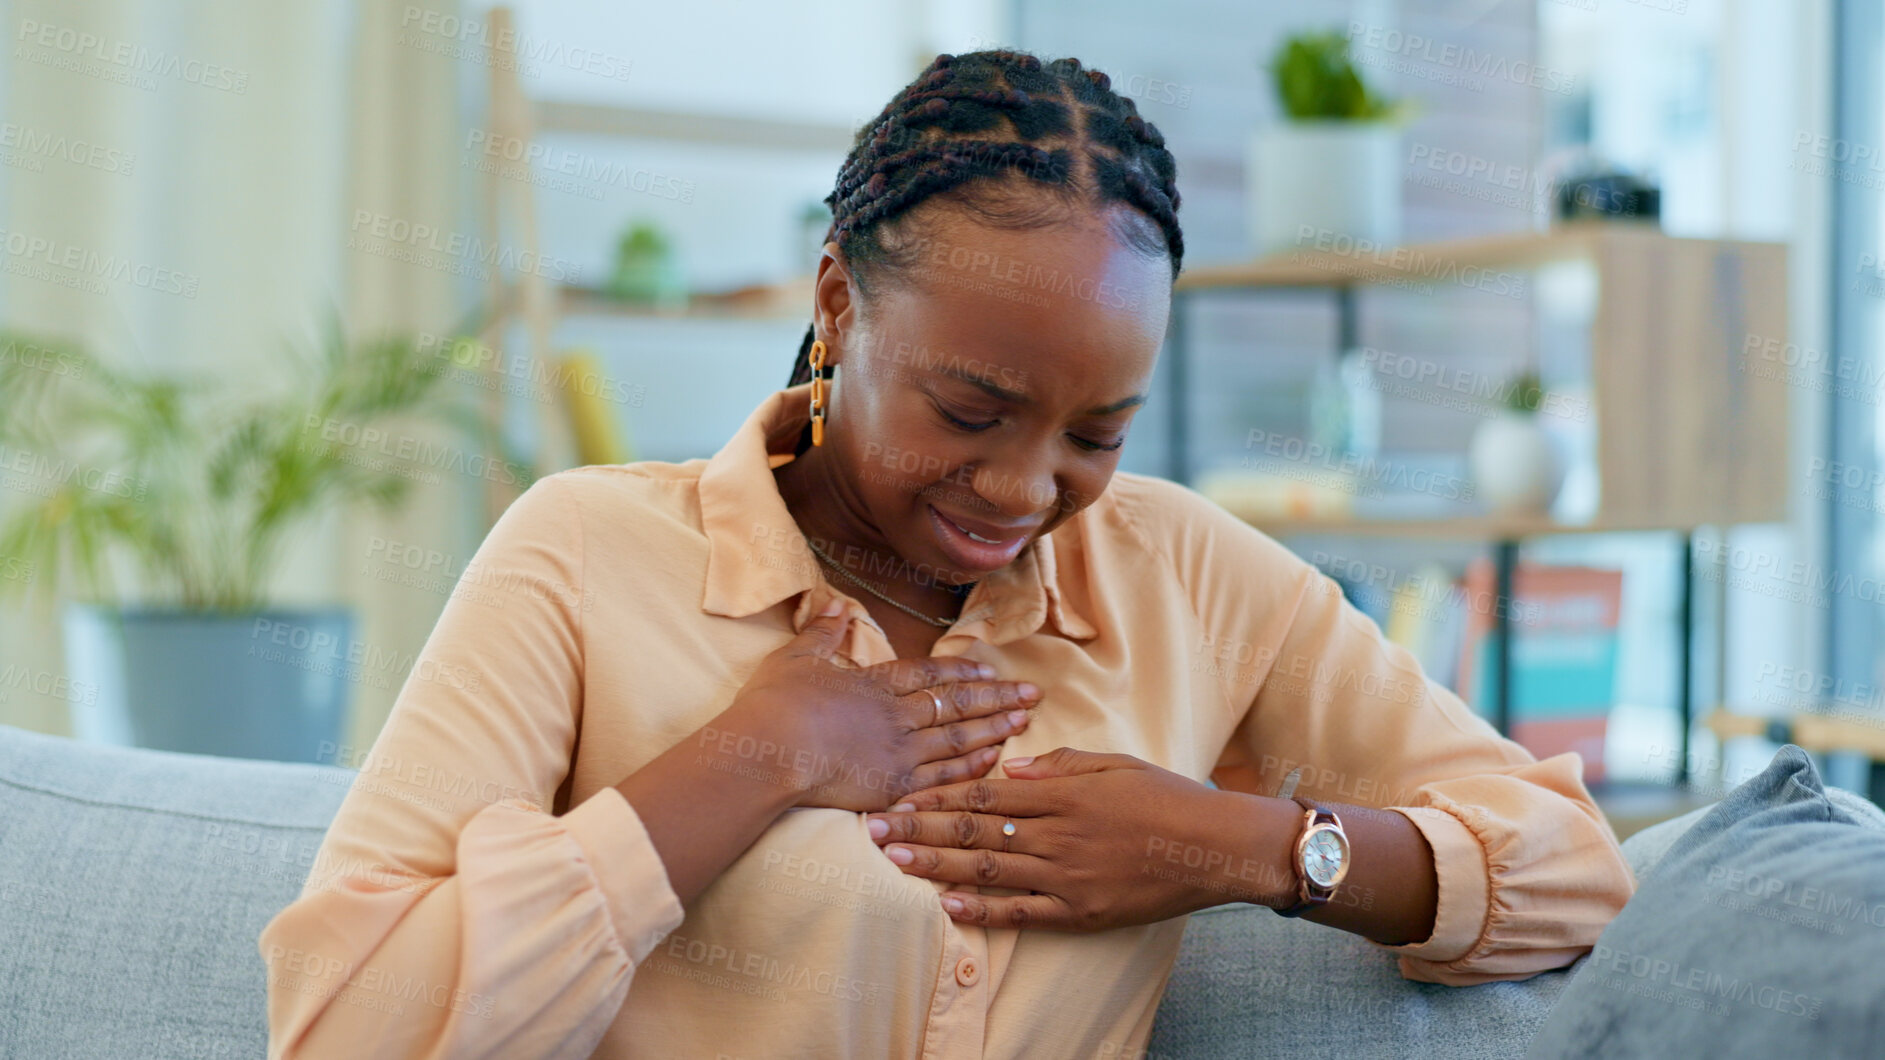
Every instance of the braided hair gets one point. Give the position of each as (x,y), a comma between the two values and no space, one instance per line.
(1011,121)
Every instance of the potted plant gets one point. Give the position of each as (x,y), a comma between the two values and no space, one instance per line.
(1516,469)
(647,272)
(1334,163)
(197,496)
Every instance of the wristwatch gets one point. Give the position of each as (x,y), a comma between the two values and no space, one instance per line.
(1321,853)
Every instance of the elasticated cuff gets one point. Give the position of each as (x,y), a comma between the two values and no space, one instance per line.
(1459,864)
(641,901)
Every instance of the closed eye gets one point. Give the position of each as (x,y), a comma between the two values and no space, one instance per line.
(965,425)
(970,426)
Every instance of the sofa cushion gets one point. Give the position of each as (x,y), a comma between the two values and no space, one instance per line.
(1645,849)
(1760,932)
(1247,975)
(133,887)
(1251,983)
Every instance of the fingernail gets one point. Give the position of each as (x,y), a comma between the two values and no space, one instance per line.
(903,807)
(1016,717)
(836,605)
(985,672)
(879,827)
(1017,763)
(901,855)
(1027,691)
(952,904)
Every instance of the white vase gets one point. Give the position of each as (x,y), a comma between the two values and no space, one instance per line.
(1516,469)
(1317,180)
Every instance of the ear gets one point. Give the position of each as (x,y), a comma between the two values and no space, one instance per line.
(834,302)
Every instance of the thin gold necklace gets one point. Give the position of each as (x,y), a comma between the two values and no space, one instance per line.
(945,623)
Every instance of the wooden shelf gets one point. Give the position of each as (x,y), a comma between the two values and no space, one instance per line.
(1845,729)
(640,123)
(791,300)
(1420,262)
(1461,528)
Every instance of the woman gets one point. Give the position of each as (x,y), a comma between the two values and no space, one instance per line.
(726,783)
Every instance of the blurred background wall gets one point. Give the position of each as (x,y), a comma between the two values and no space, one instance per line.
(261,157)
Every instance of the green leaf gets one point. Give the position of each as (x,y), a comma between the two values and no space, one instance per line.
(1316,81)
(197,489)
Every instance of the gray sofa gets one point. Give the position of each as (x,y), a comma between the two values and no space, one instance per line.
(134,884)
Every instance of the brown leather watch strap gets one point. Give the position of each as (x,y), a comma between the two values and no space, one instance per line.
(1307,897)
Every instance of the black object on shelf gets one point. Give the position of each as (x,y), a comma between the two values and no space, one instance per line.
(1607,196)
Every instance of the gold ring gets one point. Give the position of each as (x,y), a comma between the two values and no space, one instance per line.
(1007,832)
(935,717)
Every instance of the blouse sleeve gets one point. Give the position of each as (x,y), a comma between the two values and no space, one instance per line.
(448,912)
(1529,871)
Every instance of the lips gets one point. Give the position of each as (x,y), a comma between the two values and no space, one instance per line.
(986,533)
(973,545)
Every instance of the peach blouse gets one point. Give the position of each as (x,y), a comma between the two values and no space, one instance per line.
(486,891)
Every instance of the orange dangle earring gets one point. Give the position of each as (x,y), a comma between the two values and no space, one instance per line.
(819,375)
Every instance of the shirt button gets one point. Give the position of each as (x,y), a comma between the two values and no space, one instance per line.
(968,973)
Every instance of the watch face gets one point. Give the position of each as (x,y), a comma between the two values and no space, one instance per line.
(1324,856)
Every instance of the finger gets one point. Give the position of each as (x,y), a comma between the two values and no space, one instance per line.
(960,829)
(907,675)
(1009,798)
(975,699)
(974,868)
(1009,911)
(822,634)
(1067,761)
(957,738)
(954,770)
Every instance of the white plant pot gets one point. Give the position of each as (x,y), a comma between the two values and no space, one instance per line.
(1309,181)
(1516,469)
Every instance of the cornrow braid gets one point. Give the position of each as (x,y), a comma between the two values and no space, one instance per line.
(994,116)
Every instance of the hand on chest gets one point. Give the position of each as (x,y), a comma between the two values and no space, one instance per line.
(639,703)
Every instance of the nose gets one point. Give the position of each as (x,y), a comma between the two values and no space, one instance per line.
(1016,488)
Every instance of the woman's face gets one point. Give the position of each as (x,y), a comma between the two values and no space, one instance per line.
(983,393)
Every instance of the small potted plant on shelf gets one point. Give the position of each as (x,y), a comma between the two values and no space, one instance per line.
(1334,164)
(1516,469)
(197,497)
(647,272)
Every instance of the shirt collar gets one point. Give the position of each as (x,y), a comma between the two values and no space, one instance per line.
(757,557)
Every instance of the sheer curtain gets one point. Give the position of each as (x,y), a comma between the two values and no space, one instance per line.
(222,150)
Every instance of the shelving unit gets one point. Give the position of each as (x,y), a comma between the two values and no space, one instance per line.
(540,306)
(1686,435)
(529,297)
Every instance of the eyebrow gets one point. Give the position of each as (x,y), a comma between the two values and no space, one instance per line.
(1018,398)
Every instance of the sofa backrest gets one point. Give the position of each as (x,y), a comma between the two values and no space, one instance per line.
(133,887)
